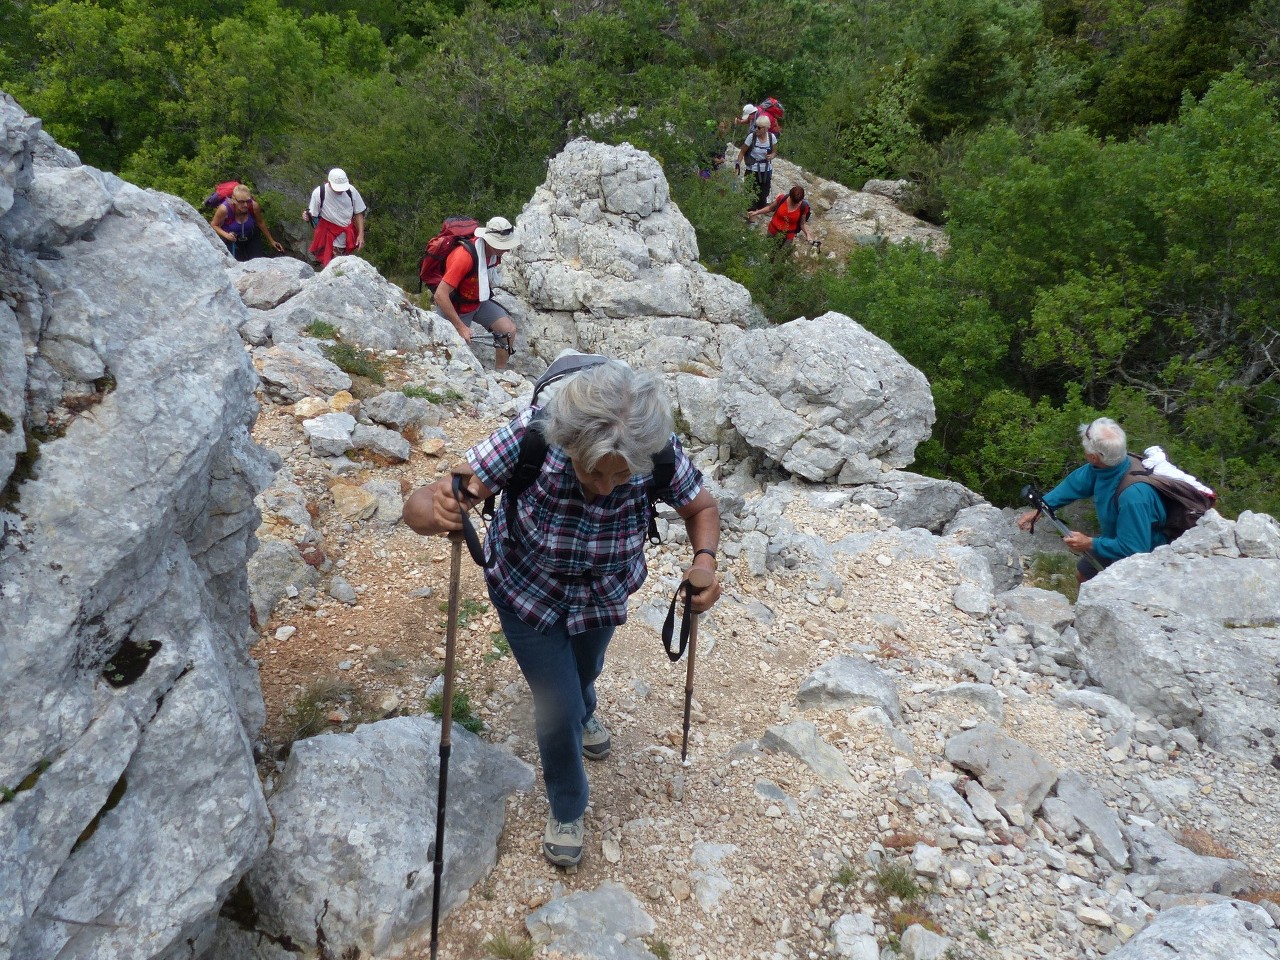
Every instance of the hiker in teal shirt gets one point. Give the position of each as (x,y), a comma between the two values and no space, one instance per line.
(1130,523)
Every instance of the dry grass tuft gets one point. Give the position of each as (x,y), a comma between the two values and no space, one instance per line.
(902,919)
(1201,842)
(904,840)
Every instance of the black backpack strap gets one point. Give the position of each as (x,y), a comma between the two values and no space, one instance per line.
(664,472)
(529,460)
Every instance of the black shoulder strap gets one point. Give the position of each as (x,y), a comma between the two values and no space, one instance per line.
(529,459)
(664,472)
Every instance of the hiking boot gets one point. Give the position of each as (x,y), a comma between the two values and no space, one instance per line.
(562,842)
(596,742)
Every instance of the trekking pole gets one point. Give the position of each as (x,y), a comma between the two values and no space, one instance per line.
(698,579)
(446,709)
(1037,501)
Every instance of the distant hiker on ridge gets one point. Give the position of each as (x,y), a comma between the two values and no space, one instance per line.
(790,215)
(465,295)
(757,152)
(241,225)
(336,211)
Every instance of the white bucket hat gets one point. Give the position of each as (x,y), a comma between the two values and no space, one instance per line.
(338,180)
(498,233)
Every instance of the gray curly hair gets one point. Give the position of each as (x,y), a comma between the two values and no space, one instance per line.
(610,409)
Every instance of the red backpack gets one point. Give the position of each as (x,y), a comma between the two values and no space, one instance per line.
(773,107)
(221,193)
(453,231)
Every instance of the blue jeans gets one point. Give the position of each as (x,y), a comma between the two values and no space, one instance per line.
(561,671)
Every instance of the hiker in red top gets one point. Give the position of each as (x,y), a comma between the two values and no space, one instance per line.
(337,212)
(465,295)
(790,215)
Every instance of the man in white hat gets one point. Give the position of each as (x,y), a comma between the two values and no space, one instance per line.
(337,213)
(465,295)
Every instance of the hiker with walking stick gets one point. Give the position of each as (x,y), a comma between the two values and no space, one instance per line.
(1131,518)
(570,551)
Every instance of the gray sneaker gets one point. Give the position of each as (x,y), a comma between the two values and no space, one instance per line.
(562,842)
(596,742)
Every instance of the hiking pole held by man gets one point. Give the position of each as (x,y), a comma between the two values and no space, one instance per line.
(446,706)
(1030,493)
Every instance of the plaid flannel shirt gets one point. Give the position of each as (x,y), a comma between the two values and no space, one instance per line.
(569,559)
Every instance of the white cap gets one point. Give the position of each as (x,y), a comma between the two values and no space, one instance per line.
(338,180)
(747,110)
(498,233)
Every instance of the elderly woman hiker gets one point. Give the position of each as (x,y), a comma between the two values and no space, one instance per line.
(570,553)
(241,225)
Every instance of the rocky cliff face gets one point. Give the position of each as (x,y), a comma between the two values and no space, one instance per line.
(131,800)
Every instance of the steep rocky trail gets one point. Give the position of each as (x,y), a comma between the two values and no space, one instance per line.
(746,851)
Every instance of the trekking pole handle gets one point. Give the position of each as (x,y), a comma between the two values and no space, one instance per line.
(460,473)
(700,578)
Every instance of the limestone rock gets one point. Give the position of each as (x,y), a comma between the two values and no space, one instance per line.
(847,683)
(605,922)
(1012,771)
(608,264)
(1231,930)
(130,701)
(816,412)
(351,857)
(1192,638)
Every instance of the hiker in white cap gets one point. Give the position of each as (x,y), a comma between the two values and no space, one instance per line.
(465,295)
(336,212)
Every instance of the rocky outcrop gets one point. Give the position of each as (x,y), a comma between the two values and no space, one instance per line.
(1191,632)
(826,399)
(129,475)
(844,218)
(608,264)
(349,871)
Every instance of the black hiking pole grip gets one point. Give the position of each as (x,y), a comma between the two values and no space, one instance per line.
(1037,501)
(446,731)
(698,579)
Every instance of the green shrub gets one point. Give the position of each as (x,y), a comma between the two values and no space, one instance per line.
(897,880)
(356,362)
(462,712)
(321,330)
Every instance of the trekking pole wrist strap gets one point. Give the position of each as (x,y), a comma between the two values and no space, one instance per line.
(686,622)
(462,495)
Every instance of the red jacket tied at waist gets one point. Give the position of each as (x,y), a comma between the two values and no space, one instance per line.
(325,234)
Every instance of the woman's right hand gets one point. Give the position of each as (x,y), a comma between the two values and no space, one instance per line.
(432,509)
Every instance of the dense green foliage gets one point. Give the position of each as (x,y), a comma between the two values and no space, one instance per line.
(1105,170)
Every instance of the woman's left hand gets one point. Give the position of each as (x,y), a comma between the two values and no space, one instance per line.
(704,597)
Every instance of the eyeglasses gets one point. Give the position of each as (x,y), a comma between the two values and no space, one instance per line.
(502,233)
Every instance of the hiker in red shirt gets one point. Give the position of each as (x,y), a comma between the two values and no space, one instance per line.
(465,295)
(791,214)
